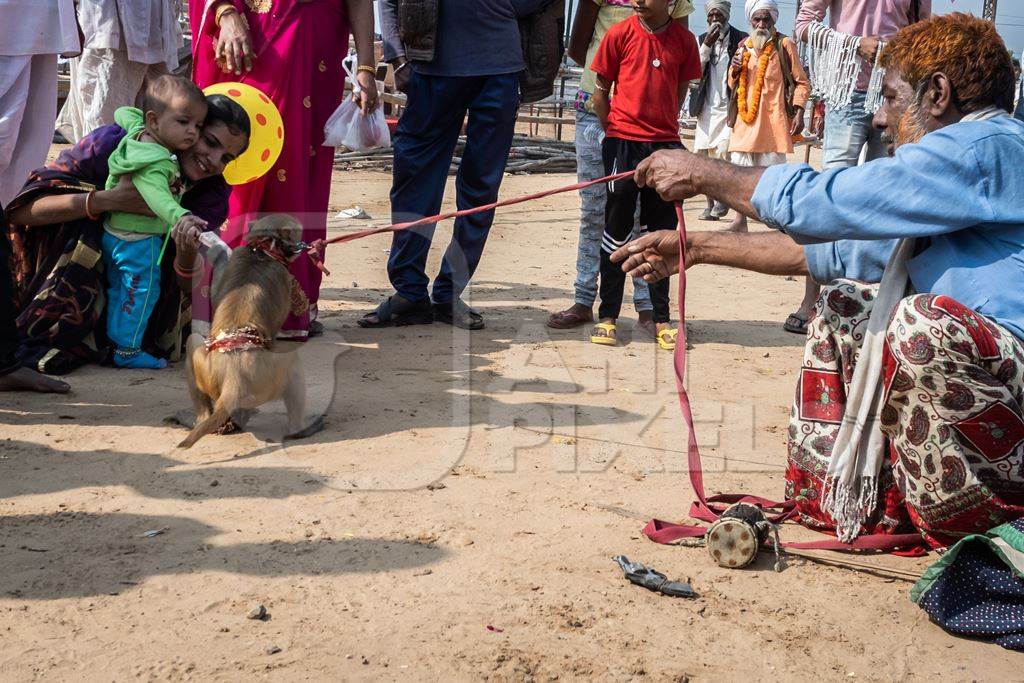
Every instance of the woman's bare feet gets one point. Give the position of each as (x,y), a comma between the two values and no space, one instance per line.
(26,379)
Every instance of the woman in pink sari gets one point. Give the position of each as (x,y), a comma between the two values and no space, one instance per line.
(291,50)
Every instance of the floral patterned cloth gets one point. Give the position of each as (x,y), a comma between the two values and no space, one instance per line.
(953,386)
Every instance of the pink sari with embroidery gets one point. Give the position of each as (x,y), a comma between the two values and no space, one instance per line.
(298,48)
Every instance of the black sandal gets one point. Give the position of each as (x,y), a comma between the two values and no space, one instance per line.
(795,323)
(398,312)
(460,315)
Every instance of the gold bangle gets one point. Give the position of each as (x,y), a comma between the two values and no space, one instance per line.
(367,68)
(225,8)
(88,202)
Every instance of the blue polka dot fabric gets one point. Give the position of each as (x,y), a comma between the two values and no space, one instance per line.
(975,589)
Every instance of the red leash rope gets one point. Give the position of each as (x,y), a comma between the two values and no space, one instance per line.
(709,509)
(705,508)
(316,249)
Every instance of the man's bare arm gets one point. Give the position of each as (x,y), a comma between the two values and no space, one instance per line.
(582,32)
(656,256)
(771,253)
(601,100)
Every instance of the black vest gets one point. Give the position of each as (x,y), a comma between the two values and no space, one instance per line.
(698,99)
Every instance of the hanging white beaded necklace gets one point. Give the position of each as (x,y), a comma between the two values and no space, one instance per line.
(656,62)
(834,66)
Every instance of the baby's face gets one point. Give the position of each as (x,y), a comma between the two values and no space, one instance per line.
(179,125)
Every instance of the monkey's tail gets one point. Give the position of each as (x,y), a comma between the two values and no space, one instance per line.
(220,415)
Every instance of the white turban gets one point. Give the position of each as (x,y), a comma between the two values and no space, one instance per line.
(755,5)
(723,6)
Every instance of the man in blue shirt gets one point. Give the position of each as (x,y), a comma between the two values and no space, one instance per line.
(475,57)
(952,371)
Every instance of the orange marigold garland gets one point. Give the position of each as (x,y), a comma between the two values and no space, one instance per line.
(748,111)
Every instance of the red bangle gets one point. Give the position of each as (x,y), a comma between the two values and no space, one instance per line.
(88,200)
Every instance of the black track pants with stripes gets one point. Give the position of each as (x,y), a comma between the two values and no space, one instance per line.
(655,214)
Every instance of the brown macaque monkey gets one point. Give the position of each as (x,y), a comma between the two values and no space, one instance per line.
(241,365)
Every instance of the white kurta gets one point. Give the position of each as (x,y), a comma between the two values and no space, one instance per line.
(148,30)
(34,33)
(127,43)
(28,103)
(38,27)
(713,123)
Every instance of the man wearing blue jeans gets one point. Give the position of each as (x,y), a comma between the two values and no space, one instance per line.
(476,58)
(847,131)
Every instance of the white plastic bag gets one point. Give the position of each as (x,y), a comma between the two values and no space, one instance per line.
(347,127)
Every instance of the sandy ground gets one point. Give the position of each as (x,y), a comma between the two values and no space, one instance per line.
(450,522)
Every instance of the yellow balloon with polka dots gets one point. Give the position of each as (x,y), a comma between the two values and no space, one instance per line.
(266,139)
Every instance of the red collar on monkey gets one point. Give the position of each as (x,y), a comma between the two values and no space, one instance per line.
(276,249)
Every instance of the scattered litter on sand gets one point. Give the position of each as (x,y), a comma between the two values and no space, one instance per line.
(356,212)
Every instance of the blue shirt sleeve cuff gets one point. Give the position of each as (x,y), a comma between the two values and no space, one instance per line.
(771,189)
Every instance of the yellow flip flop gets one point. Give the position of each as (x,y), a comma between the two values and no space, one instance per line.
(667,338)
(607,336)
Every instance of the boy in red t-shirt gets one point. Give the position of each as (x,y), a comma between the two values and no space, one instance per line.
(650,59)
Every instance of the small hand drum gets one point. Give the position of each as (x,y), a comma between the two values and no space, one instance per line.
(733,540)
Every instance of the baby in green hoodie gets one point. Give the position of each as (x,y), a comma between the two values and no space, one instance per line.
(173,112)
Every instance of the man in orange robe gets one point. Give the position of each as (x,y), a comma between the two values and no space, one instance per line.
(769,92)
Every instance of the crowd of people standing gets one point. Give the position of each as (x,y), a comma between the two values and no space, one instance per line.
(750,104)
(749,99)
